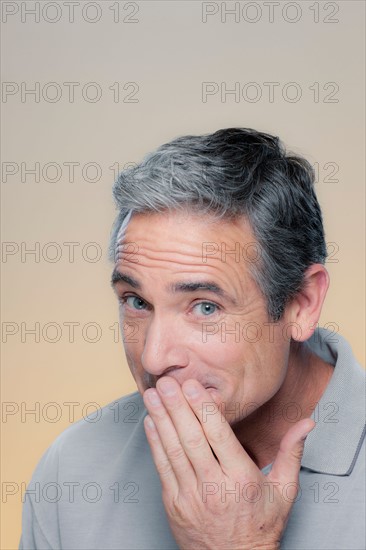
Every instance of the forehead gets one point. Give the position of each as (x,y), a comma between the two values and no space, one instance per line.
(202,239)
(185,252)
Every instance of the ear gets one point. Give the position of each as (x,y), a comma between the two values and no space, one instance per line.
(306,306)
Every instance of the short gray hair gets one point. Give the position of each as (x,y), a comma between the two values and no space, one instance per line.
(231,173)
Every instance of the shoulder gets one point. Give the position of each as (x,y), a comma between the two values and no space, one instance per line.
(103,433)
(74,487)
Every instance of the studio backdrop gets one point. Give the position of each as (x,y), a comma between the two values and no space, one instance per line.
(90,87)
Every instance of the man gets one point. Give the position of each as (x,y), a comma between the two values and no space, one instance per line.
(218,252)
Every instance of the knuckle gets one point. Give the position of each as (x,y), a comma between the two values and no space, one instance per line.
(176,511)
(297,453)
(164,468)
(194,441)
(175,453)
(220,436)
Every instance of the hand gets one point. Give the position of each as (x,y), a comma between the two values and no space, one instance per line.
(225,503)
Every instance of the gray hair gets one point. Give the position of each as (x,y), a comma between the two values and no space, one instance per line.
(231,173)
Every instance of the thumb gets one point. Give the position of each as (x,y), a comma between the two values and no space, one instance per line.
(287,463)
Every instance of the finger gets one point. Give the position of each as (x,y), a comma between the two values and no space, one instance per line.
(227,448)
(189,430)
(170,442)
(287,463)
(164,468)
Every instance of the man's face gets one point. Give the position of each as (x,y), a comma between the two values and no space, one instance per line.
(189,309)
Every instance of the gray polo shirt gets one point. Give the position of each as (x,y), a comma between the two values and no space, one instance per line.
(96,486)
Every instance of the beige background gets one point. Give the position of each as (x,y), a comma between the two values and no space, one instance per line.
(167,52)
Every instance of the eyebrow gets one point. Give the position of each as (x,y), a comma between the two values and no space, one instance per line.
(118,277)
(187,287)
(202,285)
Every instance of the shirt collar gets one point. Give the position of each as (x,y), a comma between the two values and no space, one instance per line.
(333,445)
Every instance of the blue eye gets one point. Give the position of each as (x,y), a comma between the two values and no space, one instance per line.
(135,303)
(207,308)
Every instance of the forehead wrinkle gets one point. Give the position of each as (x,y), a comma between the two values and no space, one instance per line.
(163,256)
(153,252)
(207,270)
(152,259)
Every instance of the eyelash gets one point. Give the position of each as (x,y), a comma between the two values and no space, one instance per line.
(210,304)
(123,300)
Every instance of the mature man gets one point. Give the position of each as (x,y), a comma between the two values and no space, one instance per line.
(218,252)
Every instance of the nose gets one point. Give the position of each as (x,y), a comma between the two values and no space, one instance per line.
(165,347)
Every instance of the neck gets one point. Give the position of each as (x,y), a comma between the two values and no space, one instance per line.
(307,377)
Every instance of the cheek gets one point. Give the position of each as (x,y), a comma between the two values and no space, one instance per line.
(226,357)
(250,366)
(265,371)
(132,361)
(131,332)
(132,340)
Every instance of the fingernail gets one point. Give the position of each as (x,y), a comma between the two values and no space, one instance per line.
(150,423)
(167,386)
(154,398)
